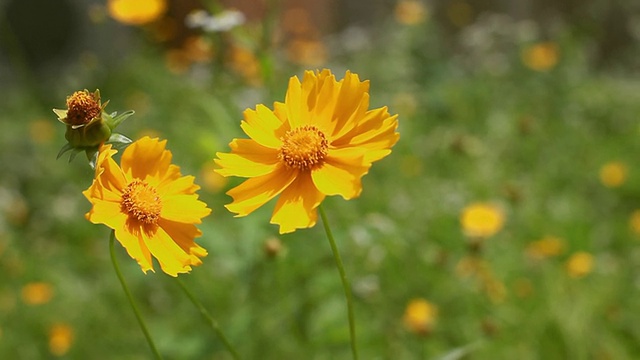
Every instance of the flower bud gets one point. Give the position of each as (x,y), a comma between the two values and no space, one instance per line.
(88,125)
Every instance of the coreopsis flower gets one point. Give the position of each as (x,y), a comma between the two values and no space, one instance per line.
(319,142)
(151,207)
(420,316)
(88,125)
(481,220)
(138,12)
(60,339)
(613,174)
(634,222)
(410,12)
(37,293)
(541,56)
(546,247)
(580,264)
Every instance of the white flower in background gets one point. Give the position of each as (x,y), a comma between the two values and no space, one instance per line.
(224,21)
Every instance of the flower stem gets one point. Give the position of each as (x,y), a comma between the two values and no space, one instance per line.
(143,326)
(209,319)
(345,282)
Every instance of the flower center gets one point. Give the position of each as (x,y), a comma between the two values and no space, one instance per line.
(82,108)
(304,148)
(142,202)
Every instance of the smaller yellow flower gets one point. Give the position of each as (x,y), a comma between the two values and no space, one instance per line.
(37,293)
(60,339)
(420,316)
(634,222)
(613,174)
(410,12)
(546,247)
(481,220)
(136,12)
(580,264)
(541,56)
(151,207)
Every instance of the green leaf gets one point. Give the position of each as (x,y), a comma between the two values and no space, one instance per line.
(63,150)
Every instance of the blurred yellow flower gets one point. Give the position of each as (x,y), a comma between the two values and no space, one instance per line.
(41,131)
(150,205)
(580,264)
(613,174)
(319,142)
(60,339)
(136,12)
(542,56)
(245,63)
(634,222)
(37,293)
(420,316)
(546,247)
(211,180)
(307,52)
(481,220)
(410,12)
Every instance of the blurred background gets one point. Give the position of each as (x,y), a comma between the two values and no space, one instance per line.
(505,223)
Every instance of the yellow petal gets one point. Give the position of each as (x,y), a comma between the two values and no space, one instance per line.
(351,105)
(146,157)
(130,238)
(172,258)
(255,192)
(183,185)
(184,208)
(183,235)
(294,102)
(108,213)
(376,132)
(263,126)
(296,206)
(248,159)
(108,173)
(341,173)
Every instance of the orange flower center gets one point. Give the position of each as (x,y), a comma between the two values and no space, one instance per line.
(304,148)
(82,108)
(142,202)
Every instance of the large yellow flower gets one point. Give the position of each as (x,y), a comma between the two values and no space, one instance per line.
(319,142)
(150,205)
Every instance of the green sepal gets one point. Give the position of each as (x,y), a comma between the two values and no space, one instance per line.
(119,141)
(114,119)
(64,149)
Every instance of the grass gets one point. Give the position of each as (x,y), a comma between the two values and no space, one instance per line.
(532,142)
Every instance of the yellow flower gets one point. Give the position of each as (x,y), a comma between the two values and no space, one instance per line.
(420,316)
(136,12)
(579,264)
(60,339)
(410,12)
(541,56)
(634,222)
(481,220)
(37,293)
(319,142)
(150,205)
(613,174)
(546,247)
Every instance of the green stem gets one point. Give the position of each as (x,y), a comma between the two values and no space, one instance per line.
(208,318)
(345,282)
(143,326)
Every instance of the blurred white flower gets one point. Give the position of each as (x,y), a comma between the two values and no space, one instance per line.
(224,21)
